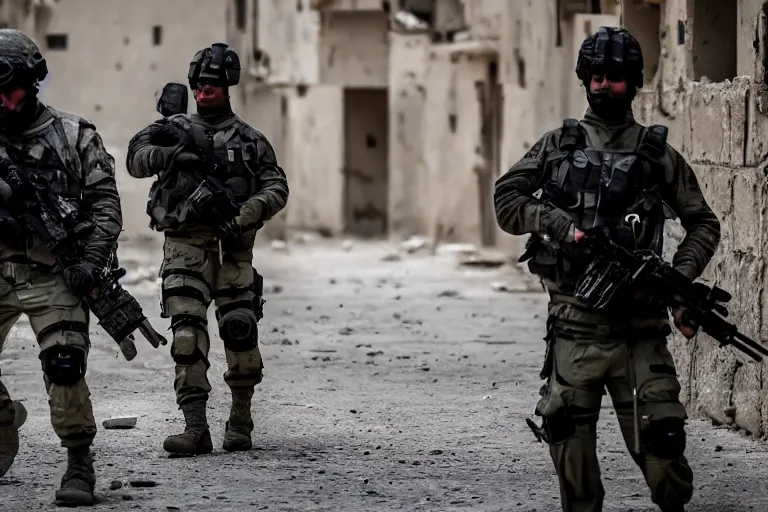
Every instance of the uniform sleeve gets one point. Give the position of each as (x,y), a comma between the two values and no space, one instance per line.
(517,211)
(100,194)
(145,159)
(702,227)
(273,192)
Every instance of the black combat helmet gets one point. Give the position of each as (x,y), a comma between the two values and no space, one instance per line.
(218,65)
(21,62)
(611,51)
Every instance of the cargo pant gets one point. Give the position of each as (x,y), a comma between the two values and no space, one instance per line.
(193,277)
(585,356)
(57,317)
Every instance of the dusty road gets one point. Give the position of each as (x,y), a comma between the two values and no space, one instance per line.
(389,385)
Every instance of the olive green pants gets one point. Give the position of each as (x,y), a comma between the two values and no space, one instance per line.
(586,357)
(57,317)
(193,277)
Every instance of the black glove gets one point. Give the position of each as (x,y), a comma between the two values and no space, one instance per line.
(168,135)
(81,278)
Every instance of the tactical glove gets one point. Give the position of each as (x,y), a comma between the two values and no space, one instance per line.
(251,214)
(81,278)
(557,224)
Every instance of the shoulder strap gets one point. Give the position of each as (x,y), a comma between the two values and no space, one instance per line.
(571,136)
(653,145)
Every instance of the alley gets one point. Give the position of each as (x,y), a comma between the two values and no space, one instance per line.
(393,381)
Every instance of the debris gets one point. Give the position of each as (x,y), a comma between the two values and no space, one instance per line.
(467,249)
(501,286)
(143,483)
(486,260)
(279,245)
(272,288)
(414,244)
(120,423)
(392,256)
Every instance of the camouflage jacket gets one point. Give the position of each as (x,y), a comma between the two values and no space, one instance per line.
(518,212)
(75,143)
(233,134)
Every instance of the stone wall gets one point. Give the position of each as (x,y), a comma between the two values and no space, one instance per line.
(720,128)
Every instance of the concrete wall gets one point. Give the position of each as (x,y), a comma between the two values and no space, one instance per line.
(721,129)
(354,49)
(314,158)
(408,179)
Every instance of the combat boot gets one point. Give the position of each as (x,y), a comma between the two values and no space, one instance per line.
(240,425)
(12,417)
(79,480)
(196,439)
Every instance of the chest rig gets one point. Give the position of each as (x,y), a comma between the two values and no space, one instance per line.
(225,157)
(616,189)
(232,160)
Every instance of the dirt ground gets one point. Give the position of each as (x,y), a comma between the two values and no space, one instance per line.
(392,382)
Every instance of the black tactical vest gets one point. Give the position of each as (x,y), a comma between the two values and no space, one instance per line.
(233,164)
(618,189)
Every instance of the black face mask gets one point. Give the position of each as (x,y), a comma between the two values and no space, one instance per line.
(17,120)
(609,107)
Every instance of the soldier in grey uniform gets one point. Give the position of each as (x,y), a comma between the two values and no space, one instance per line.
(607,170)
(67,154)
(209,239)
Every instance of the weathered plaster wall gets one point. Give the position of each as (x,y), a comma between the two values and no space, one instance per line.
(407,99)
(314,157)
(721,129)
(354,49)
(452,144)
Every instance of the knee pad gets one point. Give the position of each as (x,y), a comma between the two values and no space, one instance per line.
(189,333)
(665,438)
(63,365)
(239,330)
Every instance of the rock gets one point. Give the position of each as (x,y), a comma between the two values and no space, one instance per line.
(347,245)
(483,261)
(115,485)
(448,293)
(279,245)
(466,249)
(127,497)
(392,256)
(718,448)
(120,423)
(376,353)
(143,483)
(273,288)
(501,286)
(346,331)
(414,244)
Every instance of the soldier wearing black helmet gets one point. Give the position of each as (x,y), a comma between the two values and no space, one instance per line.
(607,170)
(65,153)
(209,245)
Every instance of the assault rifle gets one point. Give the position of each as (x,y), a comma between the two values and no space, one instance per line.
(616,274)
(61,225)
